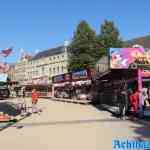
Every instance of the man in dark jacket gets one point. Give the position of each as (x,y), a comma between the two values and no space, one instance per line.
(123,102)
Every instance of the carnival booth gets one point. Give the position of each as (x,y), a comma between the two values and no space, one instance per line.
(81,84)
(74,85)
(134,60)
(128,71)
(62,86)
(41,84)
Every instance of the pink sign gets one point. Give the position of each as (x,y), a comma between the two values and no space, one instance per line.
(124,58)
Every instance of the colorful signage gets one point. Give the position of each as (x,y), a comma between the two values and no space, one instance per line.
(79,75)
(133,58)
(62,78)
(58,78)
(72,76)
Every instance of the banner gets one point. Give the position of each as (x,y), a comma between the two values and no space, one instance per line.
(61,78)
(83,74)
(6,52)
(129,58)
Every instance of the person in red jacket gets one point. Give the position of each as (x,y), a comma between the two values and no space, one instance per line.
(134,98)
(35,96)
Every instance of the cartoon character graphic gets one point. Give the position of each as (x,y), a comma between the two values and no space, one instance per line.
(117,61)
(124,57)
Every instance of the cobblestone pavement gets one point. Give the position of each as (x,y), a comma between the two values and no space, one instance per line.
(67,126)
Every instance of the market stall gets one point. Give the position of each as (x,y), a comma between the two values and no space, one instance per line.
(135,59)
(74,85)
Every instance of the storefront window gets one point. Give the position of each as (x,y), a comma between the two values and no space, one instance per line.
(62,68)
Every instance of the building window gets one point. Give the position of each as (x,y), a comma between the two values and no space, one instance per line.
(58,57)
(62,68)
(58,69)
(43,70)
(50,70)
(50,58)
(53,70)
(62,56)
(54,57)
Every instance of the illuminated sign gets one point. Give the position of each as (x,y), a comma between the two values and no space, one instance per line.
(133,58)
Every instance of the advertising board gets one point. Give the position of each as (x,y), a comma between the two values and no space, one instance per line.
(83,74)
(129,58)
(62,78)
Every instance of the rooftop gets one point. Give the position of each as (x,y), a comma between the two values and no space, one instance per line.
(49,52)
(143,41)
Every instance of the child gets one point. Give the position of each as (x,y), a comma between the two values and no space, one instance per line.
(35,96)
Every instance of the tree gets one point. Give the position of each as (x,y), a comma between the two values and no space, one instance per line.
(109,37)
(84,49)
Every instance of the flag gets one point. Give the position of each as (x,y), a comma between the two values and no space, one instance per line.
(6,52)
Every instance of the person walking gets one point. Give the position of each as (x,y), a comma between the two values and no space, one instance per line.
(35,96)
(123,102)
(23,102)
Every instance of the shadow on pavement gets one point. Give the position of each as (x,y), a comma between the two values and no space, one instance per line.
(142,126)
(69,122)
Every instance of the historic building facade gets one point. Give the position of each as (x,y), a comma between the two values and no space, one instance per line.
(40,68)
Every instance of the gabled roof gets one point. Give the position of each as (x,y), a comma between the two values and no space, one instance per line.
(49,52)
(143,41)
(103,60)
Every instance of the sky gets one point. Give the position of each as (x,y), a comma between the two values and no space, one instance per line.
(36,25)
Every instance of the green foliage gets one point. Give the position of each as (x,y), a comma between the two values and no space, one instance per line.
(87,48)
(109,37)
(84,49)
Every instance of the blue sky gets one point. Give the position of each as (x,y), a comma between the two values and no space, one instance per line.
(42,24)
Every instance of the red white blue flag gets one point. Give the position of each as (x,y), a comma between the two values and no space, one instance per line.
(6,52)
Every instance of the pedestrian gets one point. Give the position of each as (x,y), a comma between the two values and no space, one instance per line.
(35,96)
(23,106)
(134,98)
(123,102)
(122,105)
